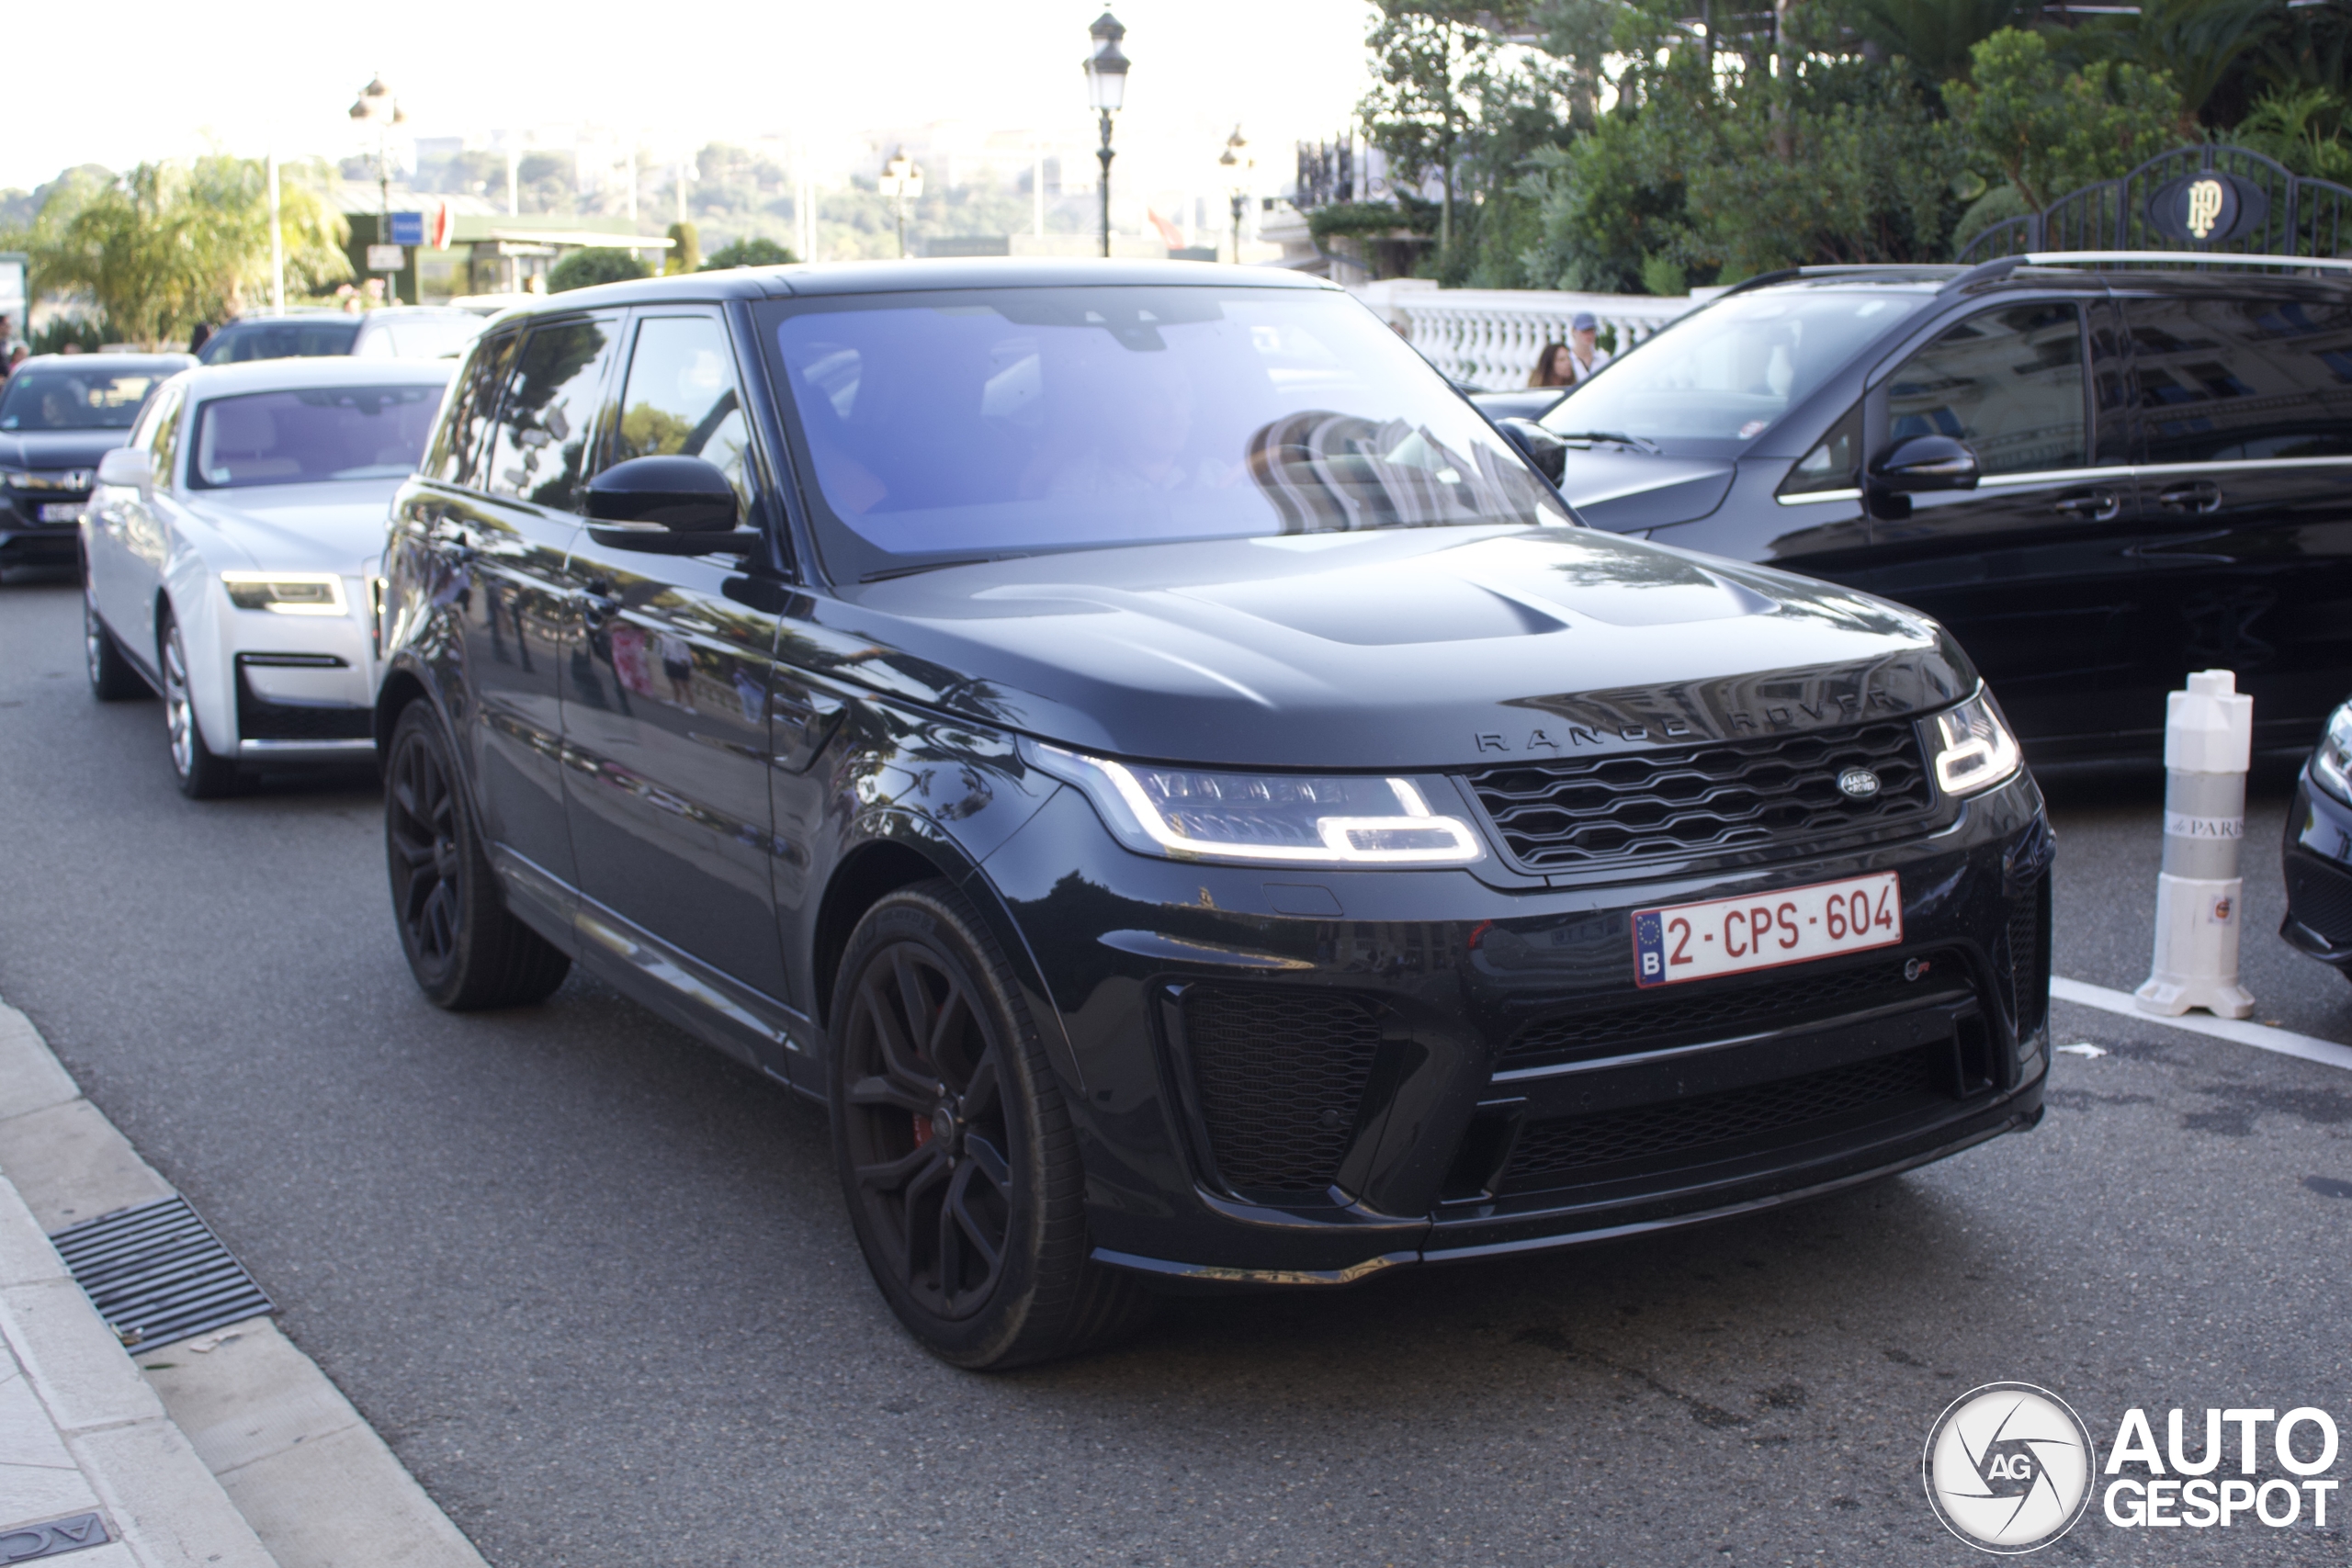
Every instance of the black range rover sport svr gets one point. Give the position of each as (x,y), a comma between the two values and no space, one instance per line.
(1182,788)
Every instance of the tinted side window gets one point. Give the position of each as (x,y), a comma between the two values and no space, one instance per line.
(2223,378)
(2009,382)
(162,439)
(540,447)
(680,398)
(1836,461)
(472,403)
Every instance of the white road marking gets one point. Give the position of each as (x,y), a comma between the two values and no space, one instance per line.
(2261,1036)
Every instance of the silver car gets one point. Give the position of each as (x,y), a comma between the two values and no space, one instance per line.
(230,547)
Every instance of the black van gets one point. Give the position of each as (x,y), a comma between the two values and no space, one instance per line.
(2100,472)
(1180,787)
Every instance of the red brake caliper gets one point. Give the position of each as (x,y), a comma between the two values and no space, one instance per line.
(923,1131)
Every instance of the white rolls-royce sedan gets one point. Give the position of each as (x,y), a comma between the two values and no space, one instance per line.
(229,547)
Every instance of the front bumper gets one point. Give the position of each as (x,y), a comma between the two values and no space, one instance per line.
(25,540)
(1300,1078)
(2316,861)
(301,689)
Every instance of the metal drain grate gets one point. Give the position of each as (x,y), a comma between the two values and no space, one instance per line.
(157,1274)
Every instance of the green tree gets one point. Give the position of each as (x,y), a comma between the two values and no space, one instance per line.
(586,268)
(2051,130)
(168,245)
(752,251)
(1430,57)
(685,250)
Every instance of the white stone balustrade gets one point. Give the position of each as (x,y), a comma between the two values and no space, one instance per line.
(1488,338)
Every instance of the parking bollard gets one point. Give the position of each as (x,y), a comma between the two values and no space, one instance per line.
(2208,738)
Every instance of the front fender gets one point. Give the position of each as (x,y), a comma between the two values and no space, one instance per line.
(191,592)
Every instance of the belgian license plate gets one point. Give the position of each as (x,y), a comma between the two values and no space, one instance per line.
(63,512)
(1765,931)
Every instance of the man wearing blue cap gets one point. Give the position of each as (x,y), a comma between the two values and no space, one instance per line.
(1585,352)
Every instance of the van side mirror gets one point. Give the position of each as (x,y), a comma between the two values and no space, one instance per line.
(1546,451)
(1926,463)
(669,505)
(129,468)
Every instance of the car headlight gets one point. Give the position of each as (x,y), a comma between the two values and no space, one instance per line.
(1327,819)
(2332,764)
(286,593)
(1977,750)
(17,477)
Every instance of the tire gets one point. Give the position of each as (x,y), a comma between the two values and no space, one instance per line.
(466,951)
(955,1155)
(203,774)
(113,678)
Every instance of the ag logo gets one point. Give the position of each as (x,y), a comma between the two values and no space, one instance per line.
(2008,1468)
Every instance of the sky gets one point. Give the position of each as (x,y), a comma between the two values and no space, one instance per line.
(177,78)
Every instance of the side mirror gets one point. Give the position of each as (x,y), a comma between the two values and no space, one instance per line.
(129,468)
(1546,451)
(672,506)
(1926,463)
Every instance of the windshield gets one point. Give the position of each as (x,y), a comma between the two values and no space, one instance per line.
(303,437)
(1723,374)
(75,400)
(1000,421)
(296,339)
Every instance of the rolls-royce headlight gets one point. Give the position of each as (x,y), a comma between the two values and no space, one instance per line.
(1977,750)
(286,592)
(1327,819)
(2332,764)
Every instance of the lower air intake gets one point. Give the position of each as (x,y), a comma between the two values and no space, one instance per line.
(1281,1075)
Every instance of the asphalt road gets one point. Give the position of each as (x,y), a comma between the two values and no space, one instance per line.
(593,1284)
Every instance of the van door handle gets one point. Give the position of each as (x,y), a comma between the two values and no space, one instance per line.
(2096,505)
(2198,495)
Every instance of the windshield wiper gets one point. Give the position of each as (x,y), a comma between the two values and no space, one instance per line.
(909,570)
(1637,443)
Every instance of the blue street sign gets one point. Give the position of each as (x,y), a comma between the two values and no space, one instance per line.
(408,227)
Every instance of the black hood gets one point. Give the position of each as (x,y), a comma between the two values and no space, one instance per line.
(58,449)
(1626,492)
(1423,648)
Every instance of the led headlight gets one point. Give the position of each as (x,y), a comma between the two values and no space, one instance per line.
(286,593)
(2332,764)
(1329,819)
(1976,749)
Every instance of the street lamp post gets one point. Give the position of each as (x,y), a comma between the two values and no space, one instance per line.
(1106,86)
(376,106)
(901,178)
(1235,161)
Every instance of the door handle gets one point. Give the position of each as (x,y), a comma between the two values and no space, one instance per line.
(2199,495)
(2096,505)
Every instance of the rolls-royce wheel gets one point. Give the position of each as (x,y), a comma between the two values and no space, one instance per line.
(203,774)
(466,951)
(955,1149)
(112,676)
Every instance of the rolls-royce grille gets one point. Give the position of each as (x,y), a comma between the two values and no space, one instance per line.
(1580,1149)
(1281,1075)
(1735,1007)
(1701,800)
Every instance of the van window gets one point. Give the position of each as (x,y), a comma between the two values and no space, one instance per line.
(2009,382)
(2235,378)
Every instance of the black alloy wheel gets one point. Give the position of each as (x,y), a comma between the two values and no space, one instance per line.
(954,1148)
(113,678)
(466,951)
(203,773)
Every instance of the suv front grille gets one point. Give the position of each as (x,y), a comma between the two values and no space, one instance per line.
(1701,800)
(1281,1074)
(1736,1007)
(1682,1133)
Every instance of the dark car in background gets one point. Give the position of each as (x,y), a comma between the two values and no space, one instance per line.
(2317,856)
(59,414)
(2099,475)
(395,331)
(1177,785)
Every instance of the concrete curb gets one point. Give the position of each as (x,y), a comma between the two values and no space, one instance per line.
(230,1450)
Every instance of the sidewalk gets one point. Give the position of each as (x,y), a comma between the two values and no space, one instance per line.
(228,1450)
